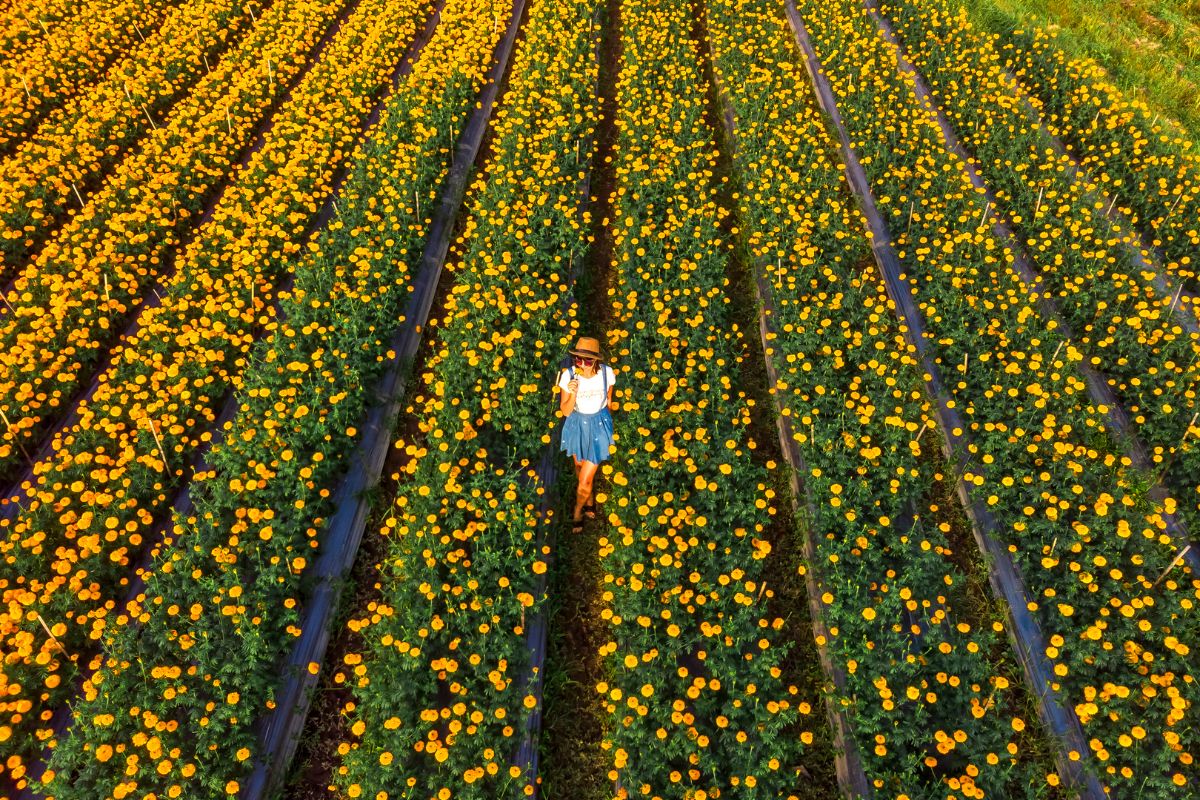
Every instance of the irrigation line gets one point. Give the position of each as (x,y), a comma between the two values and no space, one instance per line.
(13,499)
(281,729)
(851,776)
(1117,418)
(1024,633)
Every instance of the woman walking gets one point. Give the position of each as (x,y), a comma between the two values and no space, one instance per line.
(586,393)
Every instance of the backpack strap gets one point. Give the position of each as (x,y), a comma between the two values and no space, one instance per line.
(604,395)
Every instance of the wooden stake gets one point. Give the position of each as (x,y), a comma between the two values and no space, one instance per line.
(26,85)
(9,426)
(77,195)
(1039,202)
(158,441)
(1174,563)
(922,431)
(49,633)
(983,217)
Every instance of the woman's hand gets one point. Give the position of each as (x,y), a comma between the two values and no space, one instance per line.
(573,385)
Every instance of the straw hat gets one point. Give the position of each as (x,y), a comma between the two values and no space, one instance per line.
(586,347)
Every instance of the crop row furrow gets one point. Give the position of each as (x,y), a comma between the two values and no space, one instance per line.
(68,307)
(928,706)
(1109,304)
(24,24)
(242,567)
(1139,158)
(52,169)
(70,58)
(96,499)
(1025,637)
(1090,547)
(695,694)
(442,687)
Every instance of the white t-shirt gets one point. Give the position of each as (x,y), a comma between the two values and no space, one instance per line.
(591,390)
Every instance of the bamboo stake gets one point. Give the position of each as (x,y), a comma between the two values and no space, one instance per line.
(1174,563)
(26,85)
(50,633)
(1171,210)
(983,216)
(9,426)
(157,441)
(1039,202)
(922,431)
(1175,299)
(77,195)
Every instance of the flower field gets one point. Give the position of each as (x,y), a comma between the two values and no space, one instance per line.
(48,173)
(907,455)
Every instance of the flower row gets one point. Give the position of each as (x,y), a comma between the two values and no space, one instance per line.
(440,671)
(51,170)
(1092,549)
(100,497)
(69,306)
(1124,326)
(696,697)
(1138,157)
(934,704)
(235,573)
(23,27)
(73,55)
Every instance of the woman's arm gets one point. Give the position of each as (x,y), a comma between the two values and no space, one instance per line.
(566,397)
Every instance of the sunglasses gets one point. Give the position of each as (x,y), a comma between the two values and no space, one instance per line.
(584,362)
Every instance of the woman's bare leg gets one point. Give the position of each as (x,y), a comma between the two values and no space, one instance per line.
(587,472)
